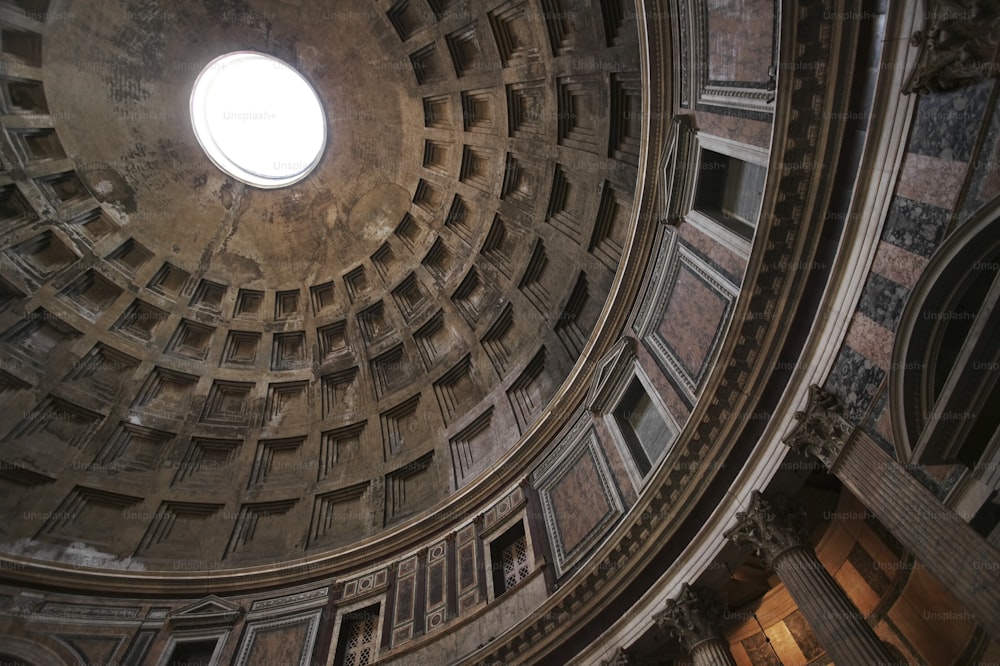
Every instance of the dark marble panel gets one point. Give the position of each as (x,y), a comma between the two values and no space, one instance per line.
(466,566)
(865,565)
(882,301)
(404,600)
(871,427)
(887,538)
(741,40)
(855,380)
(803,634)
(760,651)
(435,586)
(946,125)
(927,480)
(914,226)
(984,179)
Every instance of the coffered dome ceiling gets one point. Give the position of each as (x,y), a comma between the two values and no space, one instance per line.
(532,359)
(188,359)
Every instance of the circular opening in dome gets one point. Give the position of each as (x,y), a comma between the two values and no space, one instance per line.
(258,119)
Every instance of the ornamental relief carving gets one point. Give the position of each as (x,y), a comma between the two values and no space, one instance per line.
(958,46)
(693,617)
(822,430)
(768,528)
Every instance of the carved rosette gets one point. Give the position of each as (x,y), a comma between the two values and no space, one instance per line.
(768,528)
(822,429)
(693,617)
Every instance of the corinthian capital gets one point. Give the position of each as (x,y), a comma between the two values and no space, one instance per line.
(822,429)
(957,47)
(768,528)
(693,617)
(621,657)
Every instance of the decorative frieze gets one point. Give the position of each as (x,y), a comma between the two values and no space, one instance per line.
(362,586)
(88,613)
(298,599)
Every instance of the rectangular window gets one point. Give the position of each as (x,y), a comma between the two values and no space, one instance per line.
(358,642)
(729,191)
(193,653)
(641,426)
(511,563)
(22,44)
(23,96)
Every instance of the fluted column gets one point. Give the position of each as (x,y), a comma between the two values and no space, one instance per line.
(768,529)
(965,563)
(694,619)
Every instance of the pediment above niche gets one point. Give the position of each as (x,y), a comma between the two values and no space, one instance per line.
(675,181)
(210,610)
(614,368)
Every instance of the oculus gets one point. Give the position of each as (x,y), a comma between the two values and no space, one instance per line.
(258,119)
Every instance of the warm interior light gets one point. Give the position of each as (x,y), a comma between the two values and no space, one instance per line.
(258,119)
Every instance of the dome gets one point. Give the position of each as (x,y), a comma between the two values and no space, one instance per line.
(399,315)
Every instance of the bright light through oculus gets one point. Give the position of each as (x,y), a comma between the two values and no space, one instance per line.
(258,119)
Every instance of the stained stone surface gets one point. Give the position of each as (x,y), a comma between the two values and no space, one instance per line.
(915,226)
(855,380)
(947,125)
(314,355)
(882,300)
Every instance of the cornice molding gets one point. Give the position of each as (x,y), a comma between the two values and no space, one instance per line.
(747,363)
(876,180)
(467,502)
(710,438)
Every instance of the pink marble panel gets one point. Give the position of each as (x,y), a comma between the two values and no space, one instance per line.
(579,502)
(931,180)
(692,316)
(871,340)
(671,398)
(898,265)
(741,39)
(615,461)
(731,262)
(738,128)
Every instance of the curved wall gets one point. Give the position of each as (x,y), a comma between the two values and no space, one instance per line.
(563,547)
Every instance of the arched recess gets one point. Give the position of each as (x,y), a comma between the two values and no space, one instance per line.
(16,650)
(944,393)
